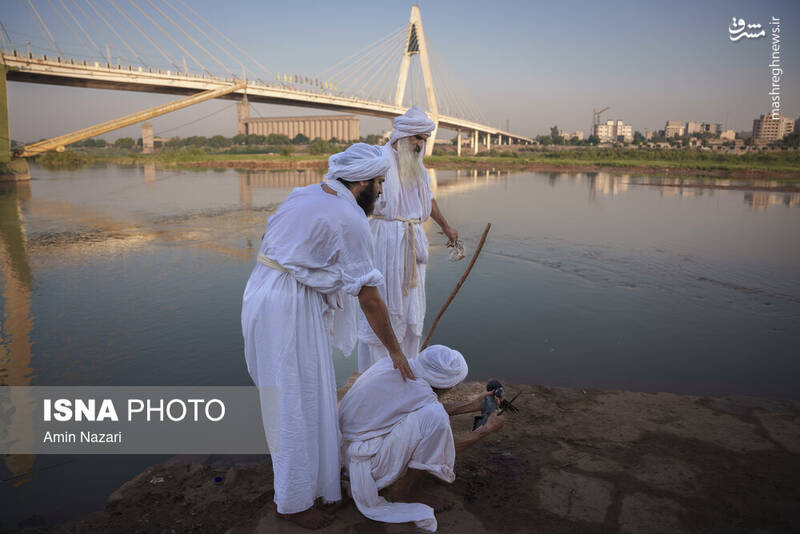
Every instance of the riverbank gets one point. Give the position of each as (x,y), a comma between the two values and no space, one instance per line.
(780,166)
(571,460)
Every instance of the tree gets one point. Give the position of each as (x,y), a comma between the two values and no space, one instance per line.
(300,139)
(219,141)
(124,142)
(374,139)
(239,139)
(638,138)
(319,146)
(276,139)
(287,150)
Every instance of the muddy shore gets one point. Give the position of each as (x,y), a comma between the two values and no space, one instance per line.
(570,461)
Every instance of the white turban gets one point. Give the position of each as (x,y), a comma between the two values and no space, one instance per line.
(439,366)
(358,162)
(413,122)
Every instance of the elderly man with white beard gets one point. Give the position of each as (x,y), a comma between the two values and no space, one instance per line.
(393,432)
(401,246)
(316,257)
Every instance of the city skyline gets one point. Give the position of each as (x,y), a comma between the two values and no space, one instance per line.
(534,66)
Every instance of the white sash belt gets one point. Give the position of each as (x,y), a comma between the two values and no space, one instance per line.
(409,278)
(272,264)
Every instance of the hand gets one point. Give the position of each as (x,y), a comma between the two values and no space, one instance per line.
(401,364)
(495,422)
(451,233)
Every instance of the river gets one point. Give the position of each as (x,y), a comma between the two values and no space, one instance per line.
(134,275)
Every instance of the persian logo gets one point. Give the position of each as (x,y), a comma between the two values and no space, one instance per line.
(737,27)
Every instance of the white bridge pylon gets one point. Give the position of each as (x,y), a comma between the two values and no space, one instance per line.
(415,45)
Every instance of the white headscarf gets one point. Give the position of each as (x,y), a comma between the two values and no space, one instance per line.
(440,366)
(413,122)
(358,162)
(380,398)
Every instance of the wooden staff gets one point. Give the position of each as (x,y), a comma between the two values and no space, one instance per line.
(458,285)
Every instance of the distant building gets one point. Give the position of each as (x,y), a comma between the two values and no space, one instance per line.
(766,128)
(577,134)
(674,129)
(613,130)
(342,127)
(694,127)
(728,135)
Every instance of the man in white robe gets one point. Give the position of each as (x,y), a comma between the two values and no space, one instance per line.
(401,246)
(316,257)
(390,427)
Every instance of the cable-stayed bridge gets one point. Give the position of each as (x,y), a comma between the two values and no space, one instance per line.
(144,37)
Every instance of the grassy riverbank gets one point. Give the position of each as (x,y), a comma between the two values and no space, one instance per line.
(779,165)
(646,159)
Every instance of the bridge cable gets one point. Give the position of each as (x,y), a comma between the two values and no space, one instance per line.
(45,28)
(198,45)
(69,26)
(114,31)
(146,35)
(204,34)
(226,108)
(380,69)
(99,31)
(379,41)
(170,37)
(365,58)
(373,61)
(140,55)
(251,58)
(80,27)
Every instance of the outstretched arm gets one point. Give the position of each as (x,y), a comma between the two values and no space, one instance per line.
(436,215)
(378,318)
(458,408)
(462,441)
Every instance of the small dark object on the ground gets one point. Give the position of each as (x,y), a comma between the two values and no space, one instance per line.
(490,403)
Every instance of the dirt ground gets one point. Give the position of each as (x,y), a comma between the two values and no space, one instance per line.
(571,461)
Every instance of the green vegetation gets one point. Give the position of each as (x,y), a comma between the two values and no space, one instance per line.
(620,157)
(68,159)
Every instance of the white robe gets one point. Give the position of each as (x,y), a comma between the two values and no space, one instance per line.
(325,244)
(389,426)
(406,312)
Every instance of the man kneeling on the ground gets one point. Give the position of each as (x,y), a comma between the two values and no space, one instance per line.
(390,426)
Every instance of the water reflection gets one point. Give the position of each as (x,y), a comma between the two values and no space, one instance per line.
(265,179)
(760,200)
(15,331)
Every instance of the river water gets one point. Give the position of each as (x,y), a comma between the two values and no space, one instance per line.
(133,276)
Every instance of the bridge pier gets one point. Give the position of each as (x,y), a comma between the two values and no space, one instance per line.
(474,142)
(488,141)
(458,142)
(11,169)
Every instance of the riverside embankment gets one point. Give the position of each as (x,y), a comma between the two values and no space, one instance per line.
(572,460)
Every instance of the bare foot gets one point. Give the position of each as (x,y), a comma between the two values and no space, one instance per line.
(311,519)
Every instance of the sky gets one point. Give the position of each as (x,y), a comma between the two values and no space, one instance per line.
(531,65)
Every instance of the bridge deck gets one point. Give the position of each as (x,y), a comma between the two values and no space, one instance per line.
(96,76)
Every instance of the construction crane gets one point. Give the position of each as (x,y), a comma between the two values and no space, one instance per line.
(596,118)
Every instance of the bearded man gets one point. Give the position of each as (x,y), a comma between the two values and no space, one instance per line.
(401,247)
(315,258)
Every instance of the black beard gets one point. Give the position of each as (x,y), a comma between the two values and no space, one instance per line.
(366,199)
